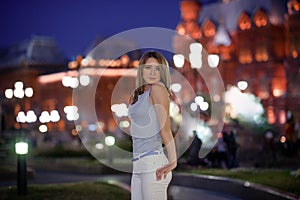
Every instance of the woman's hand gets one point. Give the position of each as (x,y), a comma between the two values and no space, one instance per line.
(163,171)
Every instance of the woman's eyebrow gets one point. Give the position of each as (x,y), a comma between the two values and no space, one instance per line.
(152,65)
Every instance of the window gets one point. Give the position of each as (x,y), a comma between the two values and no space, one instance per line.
(293,6)
(260,18)
(261,54)
(244,21)
(209,28)
(245,56)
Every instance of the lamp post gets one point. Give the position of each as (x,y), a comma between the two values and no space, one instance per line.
(21,148)
(21,145)
(110,141)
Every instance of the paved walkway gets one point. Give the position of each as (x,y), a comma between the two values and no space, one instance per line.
(177,192)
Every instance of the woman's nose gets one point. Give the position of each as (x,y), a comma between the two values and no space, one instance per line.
(152,72)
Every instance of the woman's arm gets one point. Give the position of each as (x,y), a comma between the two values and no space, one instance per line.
(161,101)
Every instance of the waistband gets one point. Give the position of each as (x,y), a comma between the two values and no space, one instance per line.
(148,153)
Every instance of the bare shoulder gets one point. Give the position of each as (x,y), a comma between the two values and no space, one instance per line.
(159,92)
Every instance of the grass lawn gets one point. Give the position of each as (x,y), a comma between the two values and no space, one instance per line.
(280,179)
(69,191)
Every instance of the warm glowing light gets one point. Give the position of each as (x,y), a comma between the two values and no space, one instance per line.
(31,116)
(196,61)
(193,106)
(21,117)
(92,62)
(220,135)
(261,54)
(178,60)
(74,132)
(73,64)
(125,60)
(282,117)
(110,141)
(19,93)
(236,101)
(199,100)
(277,92)
(74,82)
(209,28)
(135,63)
(296,6)
(84,80)
(196,48)
(176,87)
(44,117)
(43,128)
(204,106)
(124,124)
(19,85)
(21,148)
(66,81)
(78,128)
(213,60)
(29,92)
(197,34)
(263,94)
(54,116)
(69,81)
(72,113)
(245,56)
(217,98)
(294,54)
(181,30)
(260,18)
(9,93)
(99,146)
(120,109)
(282,139)
(271,115)
(242,85)
(244,22)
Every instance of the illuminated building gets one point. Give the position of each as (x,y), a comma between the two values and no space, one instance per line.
(39,64)
(258,43)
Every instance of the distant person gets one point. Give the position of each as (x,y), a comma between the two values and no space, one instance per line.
(290,134)
(232,148)
(150,128)
(297,129)
(269,149)
(193,152)
(221,152)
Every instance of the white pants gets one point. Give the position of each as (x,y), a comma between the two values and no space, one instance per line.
(144,185)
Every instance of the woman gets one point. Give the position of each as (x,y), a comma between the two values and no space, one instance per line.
(150,127)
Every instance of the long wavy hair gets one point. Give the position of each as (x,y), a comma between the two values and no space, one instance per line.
(165,76)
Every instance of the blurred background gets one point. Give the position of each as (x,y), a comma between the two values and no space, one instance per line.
(255,46)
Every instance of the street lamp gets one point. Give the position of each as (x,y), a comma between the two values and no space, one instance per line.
(110,141)
(21,146)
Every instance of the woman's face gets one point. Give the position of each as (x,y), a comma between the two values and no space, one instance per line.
(151,71)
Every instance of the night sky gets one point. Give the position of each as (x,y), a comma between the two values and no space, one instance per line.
(75,24)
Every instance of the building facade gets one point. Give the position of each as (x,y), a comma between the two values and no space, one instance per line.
(257,42)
